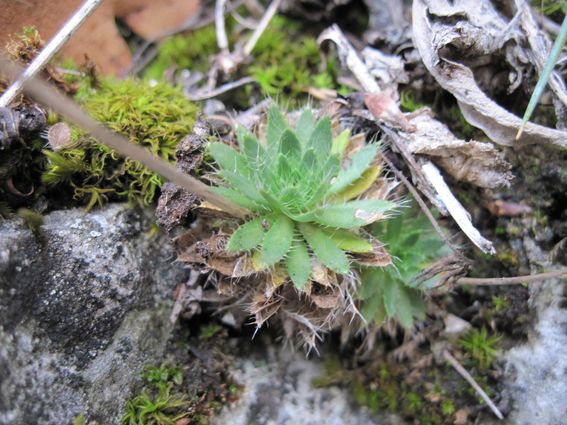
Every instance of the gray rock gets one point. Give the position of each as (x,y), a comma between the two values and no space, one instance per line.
(536,372)
(278,391)
(83,307)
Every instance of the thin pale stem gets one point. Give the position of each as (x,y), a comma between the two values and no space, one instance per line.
(222,39)
(220,90)
(262,25)
(467,376)
(49,96)
(50,50)
(420,202)
(517,280)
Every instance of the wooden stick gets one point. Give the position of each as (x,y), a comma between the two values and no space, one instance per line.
(49,96)
(493,281)
(47,53)
(463,372)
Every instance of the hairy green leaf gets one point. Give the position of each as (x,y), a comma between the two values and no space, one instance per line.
(361,185)
(340,143)
(276,126)
(243,185)
(277,240)
(298,264)
(289,144)
(348,241)
(305,126)
(228,159)
(321,138)
(324,248)
(237,198)
(254,151)
(360,161)
(354,213)
(247,236)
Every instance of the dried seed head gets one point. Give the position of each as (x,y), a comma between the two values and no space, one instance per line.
(59,136)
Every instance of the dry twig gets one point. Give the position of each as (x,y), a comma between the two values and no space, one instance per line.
(516,280)
(467,376)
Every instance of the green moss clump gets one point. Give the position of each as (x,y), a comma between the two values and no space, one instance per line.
(156,117)
(283,63)
(480,346)
(184,51)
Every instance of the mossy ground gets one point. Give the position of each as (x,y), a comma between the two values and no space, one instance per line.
(191,388)
(285,62)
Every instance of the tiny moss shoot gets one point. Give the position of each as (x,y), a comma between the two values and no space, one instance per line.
(480,346)
(156,116)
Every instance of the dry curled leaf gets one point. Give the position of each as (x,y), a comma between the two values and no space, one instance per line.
(473,29)
(474,162)
(99,37)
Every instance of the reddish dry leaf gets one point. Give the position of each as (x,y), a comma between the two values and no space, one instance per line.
(98,38)
(501,208)
(383,107)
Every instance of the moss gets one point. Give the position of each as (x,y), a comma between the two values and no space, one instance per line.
(32,219)
(499,303)
(25,45)
(156,117)
(283,63)
(408,102)
(480,346)
(383,386)
(550,7)
(184,51)
(209,331)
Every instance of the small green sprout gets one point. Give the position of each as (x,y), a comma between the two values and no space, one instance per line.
(391,292)
(447,407)
(162,375)
(500,303)
(32,219)
(480,346)
(159,410)
(155,405)
(408,103)
(209,331)
(300,195)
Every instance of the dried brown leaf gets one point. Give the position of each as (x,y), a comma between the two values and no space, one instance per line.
(474,162)
(474,28)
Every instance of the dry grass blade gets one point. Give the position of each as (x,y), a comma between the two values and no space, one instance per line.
(467,376)
(49,96)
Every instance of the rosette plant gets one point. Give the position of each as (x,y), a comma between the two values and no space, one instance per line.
(309,195)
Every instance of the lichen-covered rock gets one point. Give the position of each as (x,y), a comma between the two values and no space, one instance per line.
(536,372)
(83,306)
(277,390)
